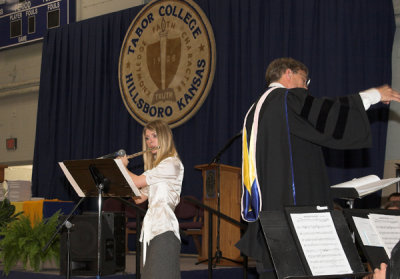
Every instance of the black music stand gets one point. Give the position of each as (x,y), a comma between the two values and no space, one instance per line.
(98,178)
(211,212)
(375,255)
(287,254)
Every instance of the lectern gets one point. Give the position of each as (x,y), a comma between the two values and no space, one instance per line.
(2,167)
(230,191)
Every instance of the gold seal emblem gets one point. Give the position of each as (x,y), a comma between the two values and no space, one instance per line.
(167,62)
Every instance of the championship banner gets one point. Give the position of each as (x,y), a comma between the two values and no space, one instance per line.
(167,62)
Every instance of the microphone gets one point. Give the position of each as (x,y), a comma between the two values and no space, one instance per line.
(68,224)
(114,155)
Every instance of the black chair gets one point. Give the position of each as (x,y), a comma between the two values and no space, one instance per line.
(131,220)
(191,220)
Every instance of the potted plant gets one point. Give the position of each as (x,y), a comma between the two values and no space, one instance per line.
(7,211)
(23,242)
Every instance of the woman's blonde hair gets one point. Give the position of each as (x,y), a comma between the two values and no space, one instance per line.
(165,141)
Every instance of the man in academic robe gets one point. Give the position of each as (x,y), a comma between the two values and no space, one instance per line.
(283,135)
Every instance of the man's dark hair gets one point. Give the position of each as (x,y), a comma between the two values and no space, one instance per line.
(393,195)
(278,67)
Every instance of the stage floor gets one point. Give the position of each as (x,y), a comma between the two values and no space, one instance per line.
(188,263)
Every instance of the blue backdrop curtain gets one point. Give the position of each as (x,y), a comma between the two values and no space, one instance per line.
(346,44)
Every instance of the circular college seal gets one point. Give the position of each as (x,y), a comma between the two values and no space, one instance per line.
(167,62)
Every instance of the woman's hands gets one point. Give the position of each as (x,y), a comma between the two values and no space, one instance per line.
(124,160)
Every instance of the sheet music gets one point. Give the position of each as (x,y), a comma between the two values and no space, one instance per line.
(320,243)
(117,162)
(367,184)
(366,230)
(72,180)
(127,177)
(376,186)
(357,182)
(388,227)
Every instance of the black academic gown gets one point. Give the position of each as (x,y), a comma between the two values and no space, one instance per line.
(312,123)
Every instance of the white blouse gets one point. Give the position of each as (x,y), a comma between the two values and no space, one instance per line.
(164,185)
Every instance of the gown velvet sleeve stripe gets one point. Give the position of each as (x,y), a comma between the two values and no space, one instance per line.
(305,111)
(343,115)
(323,115)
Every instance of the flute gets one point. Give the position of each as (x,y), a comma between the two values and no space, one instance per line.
(141,152)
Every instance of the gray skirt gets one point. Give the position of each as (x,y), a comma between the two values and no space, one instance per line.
(162,257)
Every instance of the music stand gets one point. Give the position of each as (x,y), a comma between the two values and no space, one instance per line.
(98,177)
(287,253)
(352,190)
(373,253)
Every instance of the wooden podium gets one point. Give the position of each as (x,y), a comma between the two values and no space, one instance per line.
(2,167)
(230,193)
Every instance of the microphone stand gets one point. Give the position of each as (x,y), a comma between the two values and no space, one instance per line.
(102,185)
(227,145)
(218,253)
(68,225)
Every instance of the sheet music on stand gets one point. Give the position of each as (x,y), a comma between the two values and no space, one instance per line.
(310,242)
(377,231)
(320,243)
(358,188)
(78,174)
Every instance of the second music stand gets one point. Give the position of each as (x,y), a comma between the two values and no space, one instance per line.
(98,178)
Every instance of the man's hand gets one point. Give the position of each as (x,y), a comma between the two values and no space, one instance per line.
(388,94)
(380,273)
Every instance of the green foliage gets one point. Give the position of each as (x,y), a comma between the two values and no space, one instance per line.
(7,211)
(24,242)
